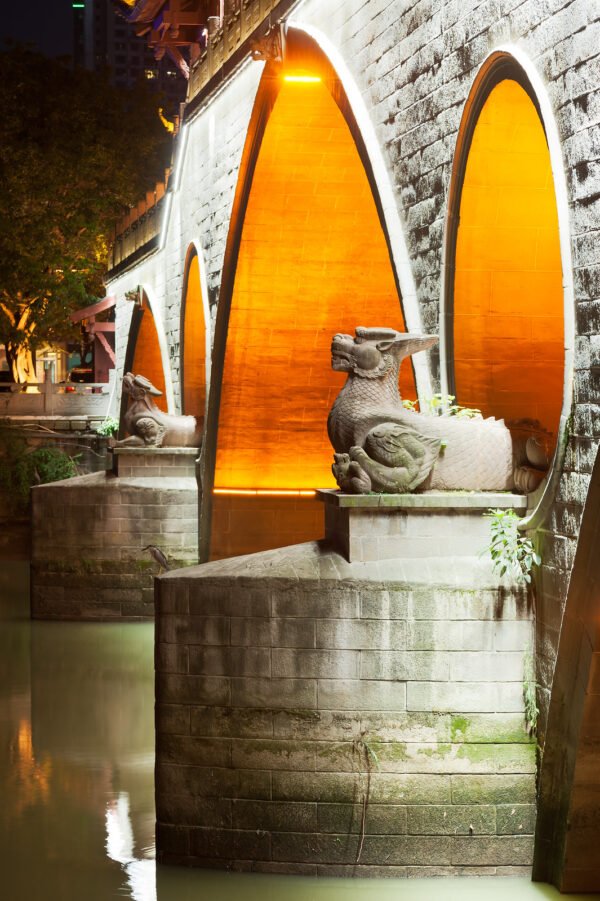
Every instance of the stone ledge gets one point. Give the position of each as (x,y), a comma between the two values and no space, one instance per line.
(109,482)
(154,462)
(155,451)
(319,561)
(428,500)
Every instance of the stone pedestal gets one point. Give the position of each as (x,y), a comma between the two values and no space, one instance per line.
(370,527)
(328,717)
(88,535)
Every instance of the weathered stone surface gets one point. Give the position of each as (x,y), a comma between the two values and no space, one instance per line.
(388,819)
(452,819)
(304,707)
(493,789)
(275,816)
(90,533)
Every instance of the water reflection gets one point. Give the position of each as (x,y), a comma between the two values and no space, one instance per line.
(76,778)
(140,874)
(76,755)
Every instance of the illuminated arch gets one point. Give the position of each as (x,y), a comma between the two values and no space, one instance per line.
(508,315)
(309,253)
(195,336)
(146,352)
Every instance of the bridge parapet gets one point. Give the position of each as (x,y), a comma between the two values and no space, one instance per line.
(240,20)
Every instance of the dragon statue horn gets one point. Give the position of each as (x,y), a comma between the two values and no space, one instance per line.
(407,343)
(142,382)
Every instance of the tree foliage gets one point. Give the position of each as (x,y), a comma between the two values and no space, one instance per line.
(75,154)
(22,466)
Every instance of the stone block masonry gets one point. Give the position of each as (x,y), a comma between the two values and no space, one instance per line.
(89,532)
(333,718)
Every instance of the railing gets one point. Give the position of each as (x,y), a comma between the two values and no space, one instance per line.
(139,226)
(240,19)
(48,399)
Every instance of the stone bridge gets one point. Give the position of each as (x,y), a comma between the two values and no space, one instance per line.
(431,166)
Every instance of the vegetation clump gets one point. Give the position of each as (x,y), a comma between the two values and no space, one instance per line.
(108,427)
(21,467)
(511,552)
(442,405)
(530,693)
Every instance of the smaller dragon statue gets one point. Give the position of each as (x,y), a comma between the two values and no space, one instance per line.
(147,425)
(382,446)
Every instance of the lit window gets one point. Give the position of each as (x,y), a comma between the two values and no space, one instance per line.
(150,73)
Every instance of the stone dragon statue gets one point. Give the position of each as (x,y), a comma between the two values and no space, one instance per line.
(382,446)
(147,425)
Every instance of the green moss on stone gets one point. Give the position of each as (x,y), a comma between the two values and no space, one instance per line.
(458,724)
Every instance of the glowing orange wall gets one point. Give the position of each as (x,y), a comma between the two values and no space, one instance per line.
(147,359)
(508,300)
(313,261)
(194,345)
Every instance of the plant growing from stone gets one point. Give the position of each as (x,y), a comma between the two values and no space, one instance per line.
(367,757)
(442,405)
(531,708)
(108,427)
(511,552)
(21,467)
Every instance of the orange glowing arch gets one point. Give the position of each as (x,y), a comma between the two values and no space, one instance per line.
(308,255)
(504,321)
(144,354)
(195,343)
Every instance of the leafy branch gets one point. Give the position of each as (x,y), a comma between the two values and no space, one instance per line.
(108,426)
(510,551)
(442,405)
(21,467)
(529,692)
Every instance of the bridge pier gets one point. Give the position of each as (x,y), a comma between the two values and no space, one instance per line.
(89,535)
(335,718)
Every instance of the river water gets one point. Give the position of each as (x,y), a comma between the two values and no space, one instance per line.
(76,778)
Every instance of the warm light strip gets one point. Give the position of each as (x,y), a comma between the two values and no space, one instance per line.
(265,492)
(303,79)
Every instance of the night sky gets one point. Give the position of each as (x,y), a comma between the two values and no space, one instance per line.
(47,24)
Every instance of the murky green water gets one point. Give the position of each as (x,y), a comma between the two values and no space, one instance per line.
(76,778)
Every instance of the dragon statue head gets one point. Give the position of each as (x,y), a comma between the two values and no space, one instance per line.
(375,351)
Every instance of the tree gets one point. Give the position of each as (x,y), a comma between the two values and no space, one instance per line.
(75,154)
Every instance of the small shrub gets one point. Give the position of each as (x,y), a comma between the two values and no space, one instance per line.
(442,405)
(22,466)
(108,427)
(510,551)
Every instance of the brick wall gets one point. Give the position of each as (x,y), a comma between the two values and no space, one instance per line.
(295,689)
(89,533)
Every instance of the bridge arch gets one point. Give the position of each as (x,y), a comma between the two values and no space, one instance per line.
(147,352)
(507,310)
(310,252)
(194,345)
